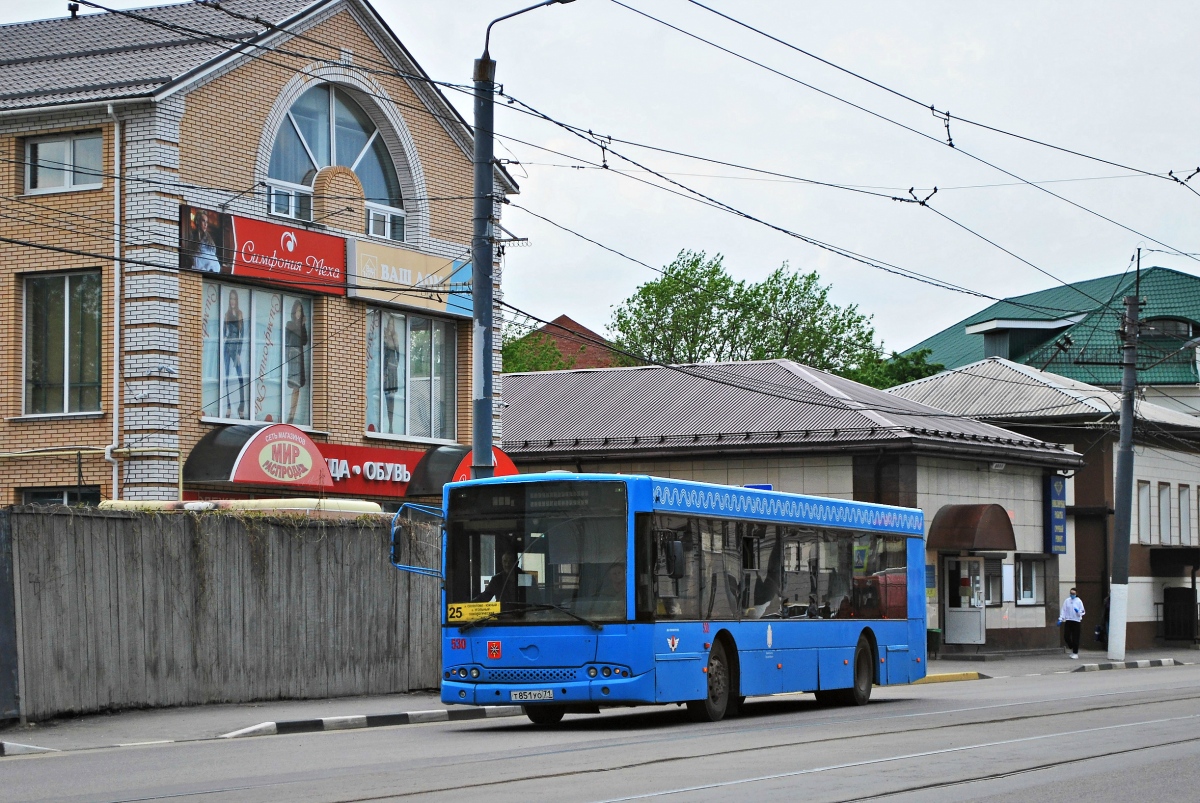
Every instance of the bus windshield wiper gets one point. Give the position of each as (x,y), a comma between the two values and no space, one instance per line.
(550,606)
(465,626)
(529,606)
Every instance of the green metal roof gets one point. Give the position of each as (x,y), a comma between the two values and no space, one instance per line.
(1167,294)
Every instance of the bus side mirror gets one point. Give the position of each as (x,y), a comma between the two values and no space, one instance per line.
(400,534)
(676,568)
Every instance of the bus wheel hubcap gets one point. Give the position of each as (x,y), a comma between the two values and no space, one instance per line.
(716,681)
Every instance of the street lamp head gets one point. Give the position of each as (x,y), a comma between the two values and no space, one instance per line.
(488,35)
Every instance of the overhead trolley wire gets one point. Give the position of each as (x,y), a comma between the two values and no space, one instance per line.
(946,114)
(897,123)
(693,194)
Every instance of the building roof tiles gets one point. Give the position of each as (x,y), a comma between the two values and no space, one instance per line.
(998,389)
(115,55)
(764,405)
(1167,293)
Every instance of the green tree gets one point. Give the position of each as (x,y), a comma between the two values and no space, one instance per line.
(895,370)
(789,315)
(695,312)
(687,315)
(531,351)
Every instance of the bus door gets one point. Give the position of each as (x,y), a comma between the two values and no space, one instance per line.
(964,601)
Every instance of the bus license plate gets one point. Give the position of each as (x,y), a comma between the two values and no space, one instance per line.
(532,694)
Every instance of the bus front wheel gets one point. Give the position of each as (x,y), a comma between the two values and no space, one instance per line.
(544,714)
(714,707)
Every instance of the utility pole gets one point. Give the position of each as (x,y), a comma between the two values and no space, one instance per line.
(483,254)
(1123,503)
(482,257)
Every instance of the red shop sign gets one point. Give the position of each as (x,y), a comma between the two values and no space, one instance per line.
(281,455)
(368,471)
(295,256)
(217,242)
(502,466)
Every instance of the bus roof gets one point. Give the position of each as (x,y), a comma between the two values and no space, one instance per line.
(731,501)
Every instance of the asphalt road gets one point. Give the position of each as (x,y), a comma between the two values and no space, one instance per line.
(1094,736)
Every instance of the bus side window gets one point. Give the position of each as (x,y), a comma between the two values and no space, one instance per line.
(643,556)
(720,577)
(676,597)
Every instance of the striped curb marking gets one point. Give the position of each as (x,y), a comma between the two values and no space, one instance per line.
(950,677)
(1130,665)
(373,721)
(14,749)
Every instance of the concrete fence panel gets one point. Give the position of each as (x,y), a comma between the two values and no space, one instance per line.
(118,609)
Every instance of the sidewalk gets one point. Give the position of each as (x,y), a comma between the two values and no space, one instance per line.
(202,721)
(1018,665)
(210,721)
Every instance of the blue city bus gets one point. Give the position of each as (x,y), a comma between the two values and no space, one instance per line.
(565,593)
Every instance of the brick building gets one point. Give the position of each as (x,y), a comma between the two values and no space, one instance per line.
(579,346)
(220,221)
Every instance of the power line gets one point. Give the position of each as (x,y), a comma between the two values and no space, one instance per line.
(693,194)
(946,114)
(184,29)
(583,237)
(892,190)
(897,123)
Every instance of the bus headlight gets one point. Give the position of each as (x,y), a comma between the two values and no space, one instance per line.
(606,672)
(462,672)
(591,671)
(474,673)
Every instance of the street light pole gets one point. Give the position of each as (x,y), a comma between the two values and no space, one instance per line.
(483,256)
(1118,595)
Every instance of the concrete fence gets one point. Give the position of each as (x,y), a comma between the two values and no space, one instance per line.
(104,610)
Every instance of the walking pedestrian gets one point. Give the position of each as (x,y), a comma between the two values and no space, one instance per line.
(1070,618)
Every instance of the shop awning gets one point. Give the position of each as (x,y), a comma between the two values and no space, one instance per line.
(444,464)
(284,456)
(254,454)
(967,527)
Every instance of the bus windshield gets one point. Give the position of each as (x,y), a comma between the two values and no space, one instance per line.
(547,552)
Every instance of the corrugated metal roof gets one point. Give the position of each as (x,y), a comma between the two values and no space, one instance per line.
(1001,389)
(108,55)
(770,404)
(1168,294)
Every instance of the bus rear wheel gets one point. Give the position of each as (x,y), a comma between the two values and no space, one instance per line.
(714,707)
(864,679)
(544,715)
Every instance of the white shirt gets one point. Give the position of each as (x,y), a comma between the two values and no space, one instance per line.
(1072,610)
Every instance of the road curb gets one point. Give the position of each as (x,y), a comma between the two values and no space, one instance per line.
(952,677)
(14,749)
(1142,664)
(373,721)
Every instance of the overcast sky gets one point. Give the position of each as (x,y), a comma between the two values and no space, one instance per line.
(1109,79)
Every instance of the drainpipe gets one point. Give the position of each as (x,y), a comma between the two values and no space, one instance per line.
(116,358)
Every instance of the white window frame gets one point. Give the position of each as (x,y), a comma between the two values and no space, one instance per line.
(293,191)
(1185,515)
(66,411)
(389,214)
(1038,569)
(452,346)
(1165,536)
(1143,512)
(68,168)
(251,313)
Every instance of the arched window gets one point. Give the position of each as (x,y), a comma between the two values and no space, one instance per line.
(1169,329)
(326,127)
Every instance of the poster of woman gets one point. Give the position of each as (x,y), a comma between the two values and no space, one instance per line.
(205,240)
(295,344)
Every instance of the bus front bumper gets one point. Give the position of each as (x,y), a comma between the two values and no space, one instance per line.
(600,691)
